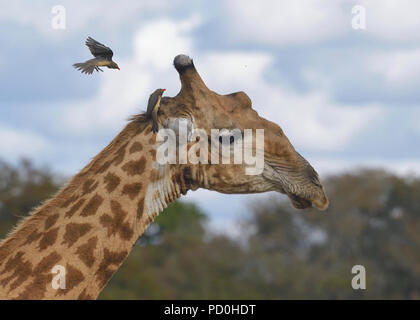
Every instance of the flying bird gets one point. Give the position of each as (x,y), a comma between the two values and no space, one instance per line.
(153,106)
(103,58)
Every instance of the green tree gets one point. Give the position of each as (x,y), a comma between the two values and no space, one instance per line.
(373,220)
(23,187)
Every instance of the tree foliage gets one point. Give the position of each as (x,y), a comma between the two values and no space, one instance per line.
(23,187)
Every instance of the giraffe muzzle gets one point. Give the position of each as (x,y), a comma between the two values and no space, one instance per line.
(301,185)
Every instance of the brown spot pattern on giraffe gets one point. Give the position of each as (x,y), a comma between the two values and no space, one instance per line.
(50,221)
(92,206)
(104,272)
(34,236)
(89,186)
(75,231)
(21,270)
(37,288)
(69,201)
(135,167)
(74,208)
(46,264)
(115,223)
(85,296)
(104,166)
(48,239)
(132,190)
(136,147)
(111,182)
(85,251)
(120,155)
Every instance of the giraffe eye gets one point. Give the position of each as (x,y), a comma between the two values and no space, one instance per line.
(231,139)
(231,135)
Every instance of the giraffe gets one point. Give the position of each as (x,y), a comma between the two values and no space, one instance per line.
(90,226)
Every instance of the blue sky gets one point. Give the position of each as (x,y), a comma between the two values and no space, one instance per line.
(346,98)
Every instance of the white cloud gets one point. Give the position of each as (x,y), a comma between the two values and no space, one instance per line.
(311,121)
(234,71)
(287,22)
(329,166)
(17,143)
(312,21)
(400,68)
(392,20)
(116,100)
(79,13)
(305,22)
(157,43)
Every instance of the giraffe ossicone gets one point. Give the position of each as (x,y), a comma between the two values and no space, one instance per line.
(90,226)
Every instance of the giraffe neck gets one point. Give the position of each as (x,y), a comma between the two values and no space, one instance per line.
(90,226)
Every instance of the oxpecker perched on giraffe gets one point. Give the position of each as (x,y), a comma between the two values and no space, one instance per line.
(153,107)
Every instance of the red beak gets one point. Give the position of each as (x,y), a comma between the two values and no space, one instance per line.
(118,68)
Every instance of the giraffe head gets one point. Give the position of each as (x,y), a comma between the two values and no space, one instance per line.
(282,169)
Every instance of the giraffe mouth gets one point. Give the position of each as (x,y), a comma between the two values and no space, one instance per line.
(299,202)
(301,186)
(318,200)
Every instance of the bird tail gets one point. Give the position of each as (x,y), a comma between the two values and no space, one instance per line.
(87,67)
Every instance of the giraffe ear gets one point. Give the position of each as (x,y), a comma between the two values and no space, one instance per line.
(183,127)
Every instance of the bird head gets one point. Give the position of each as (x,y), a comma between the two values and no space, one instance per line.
(113,65)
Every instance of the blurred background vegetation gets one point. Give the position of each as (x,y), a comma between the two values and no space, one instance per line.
(373,220)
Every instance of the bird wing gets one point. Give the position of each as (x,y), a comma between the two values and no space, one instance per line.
(98,49)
